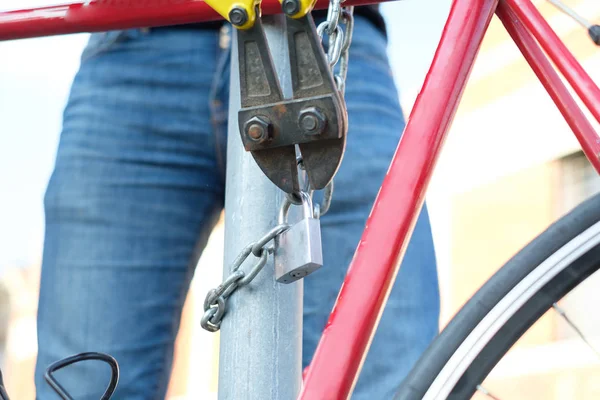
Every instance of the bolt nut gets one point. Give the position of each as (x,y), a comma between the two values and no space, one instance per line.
(291,7)
(258,129)
(312,121)
(238,16)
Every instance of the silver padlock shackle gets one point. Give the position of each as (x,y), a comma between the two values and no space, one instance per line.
(307,207)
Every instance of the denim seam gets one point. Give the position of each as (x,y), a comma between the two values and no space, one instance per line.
(217,111)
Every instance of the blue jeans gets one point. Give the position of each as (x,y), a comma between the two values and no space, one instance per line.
(138,186)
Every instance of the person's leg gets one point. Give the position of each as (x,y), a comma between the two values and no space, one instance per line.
(410,320)
(136,189)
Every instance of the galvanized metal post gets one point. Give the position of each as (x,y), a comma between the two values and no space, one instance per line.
(261,334)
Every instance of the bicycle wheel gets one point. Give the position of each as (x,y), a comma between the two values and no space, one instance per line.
(504,308)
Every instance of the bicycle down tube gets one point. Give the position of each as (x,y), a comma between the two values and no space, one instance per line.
(355,316)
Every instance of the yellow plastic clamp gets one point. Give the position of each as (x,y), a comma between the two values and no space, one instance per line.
(240,13)
(297,8)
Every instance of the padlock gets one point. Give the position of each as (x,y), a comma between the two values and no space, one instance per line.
(298,251)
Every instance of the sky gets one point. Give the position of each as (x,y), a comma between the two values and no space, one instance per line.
(35,75)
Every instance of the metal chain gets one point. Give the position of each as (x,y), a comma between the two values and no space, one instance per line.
(216,299)
(339,39)
(348,20)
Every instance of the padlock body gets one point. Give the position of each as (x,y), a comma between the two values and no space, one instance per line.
(299,251)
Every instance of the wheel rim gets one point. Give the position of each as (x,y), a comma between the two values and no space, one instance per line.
(495,319)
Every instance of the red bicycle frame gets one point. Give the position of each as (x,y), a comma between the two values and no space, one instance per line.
(354,319)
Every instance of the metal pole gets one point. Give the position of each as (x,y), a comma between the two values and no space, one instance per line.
(261,333)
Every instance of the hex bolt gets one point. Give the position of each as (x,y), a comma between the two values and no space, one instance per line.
(258,128)
(291,7)
(312,121)
(238,16)
(256,132)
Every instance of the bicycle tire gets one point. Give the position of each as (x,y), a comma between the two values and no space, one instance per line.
(506,306)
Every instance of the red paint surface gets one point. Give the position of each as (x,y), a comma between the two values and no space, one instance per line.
(105,15)
(560,55)
(582,128)
(351,326)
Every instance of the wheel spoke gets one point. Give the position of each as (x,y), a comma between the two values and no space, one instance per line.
(563,314)
(487,393)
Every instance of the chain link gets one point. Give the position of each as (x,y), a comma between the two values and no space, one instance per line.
(339,39)
(348,20)
(215,302)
